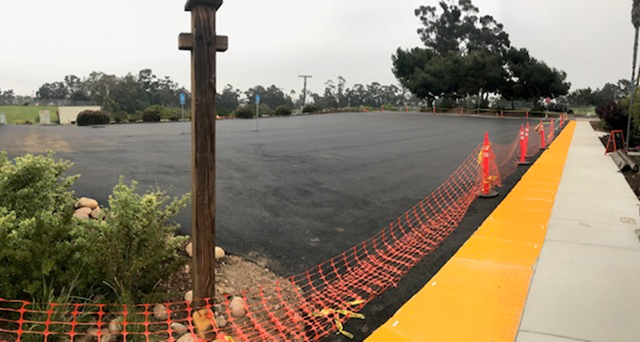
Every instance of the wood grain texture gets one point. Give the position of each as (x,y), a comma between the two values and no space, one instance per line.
(191,4)
(185,42)
(203,83)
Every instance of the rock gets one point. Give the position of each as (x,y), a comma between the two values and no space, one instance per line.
(219,253)
(186,338)
(81,216)
(115,326)
(160,312)
(189,249)
(187,268)
(188,296)
(106,336)
(238,307)
(92,331)
(179,329)
(87,202)
(221,322)
(96,213)
(84,210)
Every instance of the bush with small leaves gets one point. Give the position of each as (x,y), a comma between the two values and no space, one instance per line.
(93,117)
(46,251)
(120,117)
(310,109)
(613,115)
(245,112)
(152,114)
(283,110)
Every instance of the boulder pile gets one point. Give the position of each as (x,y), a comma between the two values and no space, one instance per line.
(87,208)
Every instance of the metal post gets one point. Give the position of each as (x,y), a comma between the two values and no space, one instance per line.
(257,117)
(182,118)
(631,98)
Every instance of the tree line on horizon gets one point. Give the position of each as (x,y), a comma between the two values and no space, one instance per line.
(466,56)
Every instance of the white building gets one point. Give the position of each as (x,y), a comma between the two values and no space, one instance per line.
(69,115)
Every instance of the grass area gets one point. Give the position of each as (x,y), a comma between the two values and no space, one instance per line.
(586,111)
(22,114)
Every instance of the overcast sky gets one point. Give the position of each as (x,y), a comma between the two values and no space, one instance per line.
(272,42)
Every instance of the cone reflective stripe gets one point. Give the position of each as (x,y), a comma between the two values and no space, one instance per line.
(523,147)
(543,145)
(526,136)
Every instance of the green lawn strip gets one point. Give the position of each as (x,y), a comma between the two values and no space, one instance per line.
(21,114)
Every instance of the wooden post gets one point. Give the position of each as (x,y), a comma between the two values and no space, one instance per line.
(203,44)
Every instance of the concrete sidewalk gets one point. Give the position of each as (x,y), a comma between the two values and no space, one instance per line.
(586,285)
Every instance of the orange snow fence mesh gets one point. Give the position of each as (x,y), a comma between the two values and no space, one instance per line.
(307,307)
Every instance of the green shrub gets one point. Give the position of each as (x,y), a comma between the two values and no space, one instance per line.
(223,112)
(35,225)
(614,116)
(310,109)
(152,114)
(265,110)
(552,107)
(245,112)
(140,240)
(174,118)
(93,117)
(283,110)
(391,108)
(45,250)
(120,117)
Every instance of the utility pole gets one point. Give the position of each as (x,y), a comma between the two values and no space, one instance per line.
(203,44)
(304,92)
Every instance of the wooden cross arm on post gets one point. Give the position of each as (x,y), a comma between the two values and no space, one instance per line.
(185,42)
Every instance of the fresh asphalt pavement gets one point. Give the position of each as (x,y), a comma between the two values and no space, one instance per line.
(298,191)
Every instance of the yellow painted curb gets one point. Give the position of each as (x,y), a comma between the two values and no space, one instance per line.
(479,295)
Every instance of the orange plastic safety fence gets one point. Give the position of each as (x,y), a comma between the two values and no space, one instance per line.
(307,307)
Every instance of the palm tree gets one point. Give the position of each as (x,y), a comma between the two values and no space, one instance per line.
(635,20)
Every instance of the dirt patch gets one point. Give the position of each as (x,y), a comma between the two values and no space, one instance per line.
(633,178)
(267,296)
(597,126)
(233,276)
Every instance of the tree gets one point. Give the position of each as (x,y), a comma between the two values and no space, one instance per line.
(468,54)
(272,96)
(7,97)
(459,30)
(129,95)
(425,73)
(228,101)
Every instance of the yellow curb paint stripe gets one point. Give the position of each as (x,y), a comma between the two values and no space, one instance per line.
(479,295)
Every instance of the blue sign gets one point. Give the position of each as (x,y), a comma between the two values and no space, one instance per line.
(183,99)
(258,98)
